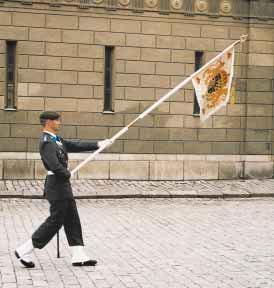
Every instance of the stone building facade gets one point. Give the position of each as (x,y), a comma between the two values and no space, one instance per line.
(60,50)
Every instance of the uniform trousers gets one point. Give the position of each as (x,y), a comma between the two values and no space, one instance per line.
(62,212)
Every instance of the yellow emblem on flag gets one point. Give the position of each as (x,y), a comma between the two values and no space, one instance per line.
(213,84)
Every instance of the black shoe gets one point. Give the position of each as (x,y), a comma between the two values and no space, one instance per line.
(27,264)
(85,263)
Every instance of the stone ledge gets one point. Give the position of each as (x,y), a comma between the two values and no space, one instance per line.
(144,166)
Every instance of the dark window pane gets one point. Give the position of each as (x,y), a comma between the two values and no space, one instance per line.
(198,64)
(108,79)
(11,70)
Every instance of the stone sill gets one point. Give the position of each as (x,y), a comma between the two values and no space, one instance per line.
(143,157)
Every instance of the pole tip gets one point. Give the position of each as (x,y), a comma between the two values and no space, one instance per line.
(243,38)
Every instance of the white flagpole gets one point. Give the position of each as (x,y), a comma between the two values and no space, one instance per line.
(157,103)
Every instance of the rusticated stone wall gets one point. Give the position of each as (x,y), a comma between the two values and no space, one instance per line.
(60,66)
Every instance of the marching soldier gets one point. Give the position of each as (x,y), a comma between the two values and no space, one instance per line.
(57,190)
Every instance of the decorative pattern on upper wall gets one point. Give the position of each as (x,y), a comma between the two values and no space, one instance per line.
(260,9)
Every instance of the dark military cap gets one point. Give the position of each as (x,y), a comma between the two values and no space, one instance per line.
(51,115)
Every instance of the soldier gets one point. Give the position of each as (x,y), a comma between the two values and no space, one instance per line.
(63,210)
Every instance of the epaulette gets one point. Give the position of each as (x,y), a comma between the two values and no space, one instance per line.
(45,138)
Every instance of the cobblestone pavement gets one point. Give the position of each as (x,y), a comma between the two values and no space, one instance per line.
(149,243)
(122,188)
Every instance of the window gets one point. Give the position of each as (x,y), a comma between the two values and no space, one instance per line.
(11,75)
(108,79)
(198,64)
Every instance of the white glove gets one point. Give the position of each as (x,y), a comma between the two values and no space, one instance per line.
(105,143)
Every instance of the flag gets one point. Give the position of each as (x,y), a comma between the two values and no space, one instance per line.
(213,84)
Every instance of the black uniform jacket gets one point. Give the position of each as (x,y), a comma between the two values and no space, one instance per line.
(55,158)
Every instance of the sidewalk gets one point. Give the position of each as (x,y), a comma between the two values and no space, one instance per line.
(111,189)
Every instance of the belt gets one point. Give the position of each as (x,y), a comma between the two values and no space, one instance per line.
(50,173)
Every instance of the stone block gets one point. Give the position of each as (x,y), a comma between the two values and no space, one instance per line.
(259,110)
(182,56)
(259,72)
(22,89)
(3,46)
(258,170)
(18,117)
(158,28)
(194,147)
(136,93)
(95,170)
(194,122)
(99,65)
(151,54)
(4,130)
(94,24)
(155,81)
(258,135)
(262,85)
(39,170)
(140,40)
(89,105)
(29,19)
(30,103)
(61,104)
(236,32)
(221,44)
(100,119)
(154,133)
(183,134)
(226,122)
(25,130)
(128,53)
(48,90)
(214,31)
(61,49)
(43,34)
(78,64)
(131,170)
(69,132)
(5,18)
(186,30)
(14,33)
(109,38)
(170,42)
(235,134)
(212,134)
(230,170)
(166,170)
(260,34)
(127,80)
(13,144)
(90,51)
(64,22)
(194,170)
(1,169)
(90,78)
(65,77)
(128,26)
(260,47)
(261,59)
(94,133)
(18,169)
(30,48)
(77,36)
(77,91)
(31,75)
(169,121)
(259,148)
(123,106)
(141,67)
(181,108)
(226,147)
(202,44)
(168,147)
(44,62)
(259,122)
(170,68)
(22,61)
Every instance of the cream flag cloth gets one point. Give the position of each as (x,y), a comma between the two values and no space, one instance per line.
(213,84)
